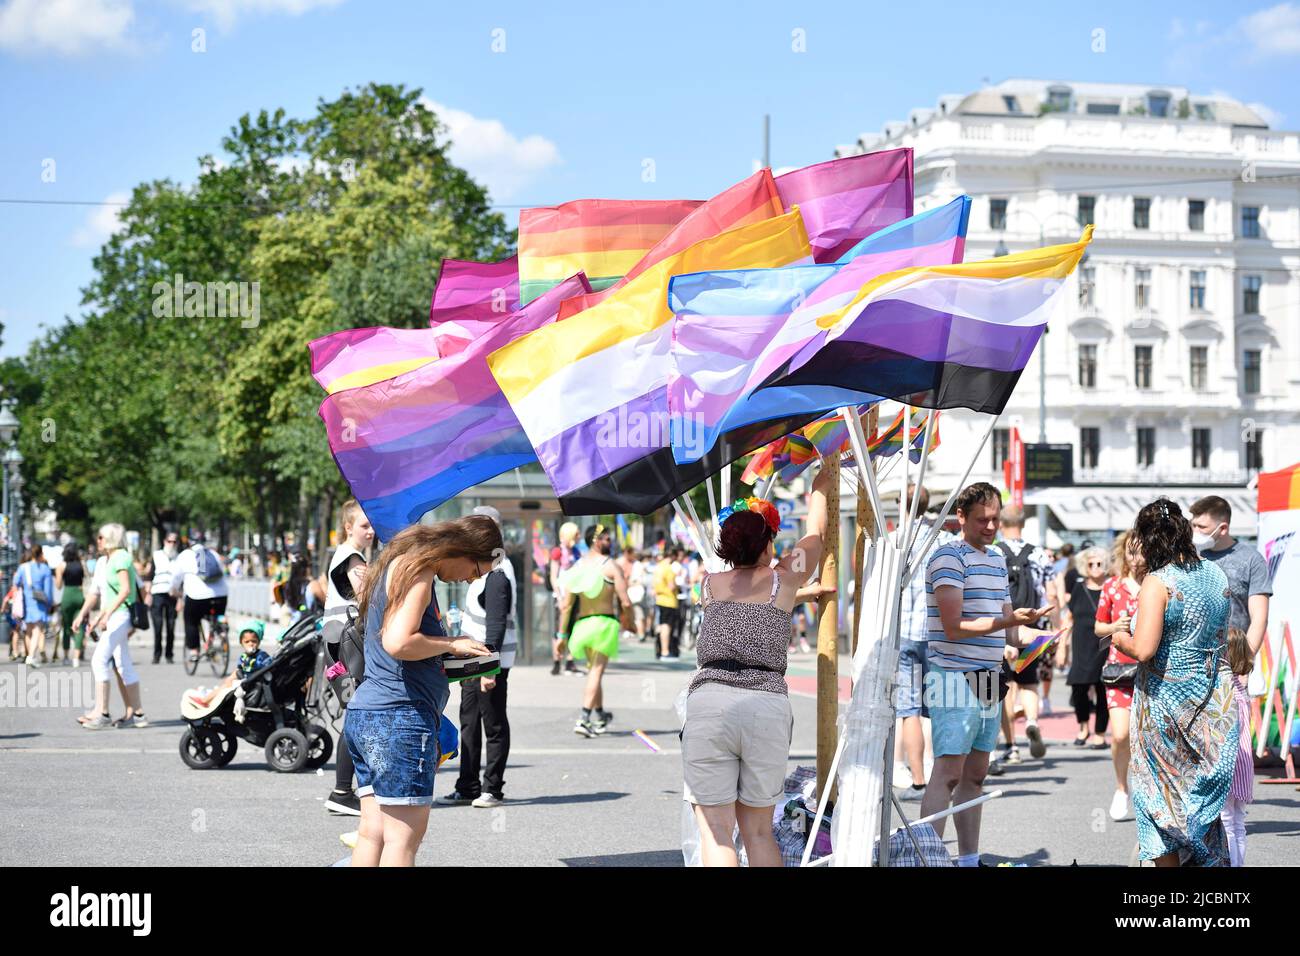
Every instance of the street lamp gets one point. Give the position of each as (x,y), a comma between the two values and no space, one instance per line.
(1001,250)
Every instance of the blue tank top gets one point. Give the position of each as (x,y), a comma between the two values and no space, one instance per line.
(393,683)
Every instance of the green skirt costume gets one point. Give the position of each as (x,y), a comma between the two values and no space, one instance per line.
(593,633)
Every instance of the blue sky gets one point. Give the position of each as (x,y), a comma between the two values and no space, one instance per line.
(581,96)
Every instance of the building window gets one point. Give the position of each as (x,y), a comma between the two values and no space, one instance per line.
(1087,210)
(1088,366)
(1142,366)
(997,214)
(1058,99)
(1196,215)
(1146,447)
(1103,109)
(1200,448)
(1251,364)
(1200,366)
(1001,448)
(1203,111)
(1197,290)
(1250,222)
(1158,104)
(1255,449)
(1250,286)
(1141,213)
(1089,447)
(1142,288)
(1087,285)
(1012,104)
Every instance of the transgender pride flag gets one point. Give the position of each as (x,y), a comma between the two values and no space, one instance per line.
(735,328)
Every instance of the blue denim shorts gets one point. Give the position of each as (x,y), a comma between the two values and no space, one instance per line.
(395,751)
(958,724)
(912,668)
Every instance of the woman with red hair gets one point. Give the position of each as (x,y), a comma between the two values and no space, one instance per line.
(736,739)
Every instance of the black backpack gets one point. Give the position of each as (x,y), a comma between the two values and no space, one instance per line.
(1020,580)
(350,651)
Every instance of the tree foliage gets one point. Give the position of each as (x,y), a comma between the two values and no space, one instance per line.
(146,414)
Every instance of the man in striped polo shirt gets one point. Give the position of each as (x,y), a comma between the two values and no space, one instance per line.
(971,621)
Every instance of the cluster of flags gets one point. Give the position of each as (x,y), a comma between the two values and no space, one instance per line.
(633,348)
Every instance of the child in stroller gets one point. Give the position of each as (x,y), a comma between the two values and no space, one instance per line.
(276,706)
(253,658)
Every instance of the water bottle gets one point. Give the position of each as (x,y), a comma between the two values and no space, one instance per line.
(453,620)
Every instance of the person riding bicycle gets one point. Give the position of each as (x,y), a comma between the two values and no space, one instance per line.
(200,580)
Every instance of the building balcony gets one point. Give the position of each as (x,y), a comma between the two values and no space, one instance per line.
(1159,475)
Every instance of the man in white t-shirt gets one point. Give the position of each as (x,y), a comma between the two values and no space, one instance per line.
(162,603)
(197,576)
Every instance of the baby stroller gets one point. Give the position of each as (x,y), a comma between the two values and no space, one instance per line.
(277,707)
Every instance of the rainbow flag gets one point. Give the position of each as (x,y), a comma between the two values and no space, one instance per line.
(602,238)
(1035,650)
(590,390)
(842,201)
(407,444)
(735,328)
(749,201)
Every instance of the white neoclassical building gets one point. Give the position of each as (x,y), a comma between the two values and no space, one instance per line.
(1173,364)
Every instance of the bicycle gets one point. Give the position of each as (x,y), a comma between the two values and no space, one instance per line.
(214,646)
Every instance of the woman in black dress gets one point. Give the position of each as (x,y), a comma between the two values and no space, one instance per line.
(1087,655)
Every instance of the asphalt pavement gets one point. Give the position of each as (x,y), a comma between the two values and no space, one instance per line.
(123,797)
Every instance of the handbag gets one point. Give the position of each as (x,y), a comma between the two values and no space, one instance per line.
(1119,673)
(38,594)
(139,615)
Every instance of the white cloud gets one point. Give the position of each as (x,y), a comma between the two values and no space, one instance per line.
(67,27)
(492,154)
(1275,30)
(101,222)
(227,12)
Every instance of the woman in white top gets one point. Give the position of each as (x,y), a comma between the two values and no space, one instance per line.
(347,575)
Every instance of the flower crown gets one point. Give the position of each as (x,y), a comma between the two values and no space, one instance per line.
(764,508)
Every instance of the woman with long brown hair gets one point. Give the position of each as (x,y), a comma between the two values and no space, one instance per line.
(391,728)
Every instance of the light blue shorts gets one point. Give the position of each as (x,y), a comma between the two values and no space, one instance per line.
(958,724)
(910,680)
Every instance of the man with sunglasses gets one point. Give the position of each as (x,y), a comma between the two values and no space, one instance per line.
(162,603)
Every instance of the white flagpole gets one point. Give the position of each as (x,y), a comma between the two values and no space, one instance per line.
(713,504)
(858,441)
(920,481)
(768,484)
(691,528)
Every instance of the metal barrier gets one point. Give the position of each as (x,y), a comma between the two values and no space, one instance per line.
(251,596)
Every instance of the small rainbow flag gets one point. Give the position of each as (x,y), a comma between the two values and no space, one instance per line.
(642,736)
(1035,650)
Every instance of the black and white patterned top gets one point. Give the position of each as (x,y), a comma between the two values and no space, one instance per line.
(752,634)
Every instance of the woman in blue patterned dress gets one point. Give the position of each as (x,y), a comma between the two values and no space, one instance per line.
(1184,721)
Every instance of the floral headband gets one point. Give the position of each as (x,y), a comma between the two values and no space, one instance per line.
(764,508)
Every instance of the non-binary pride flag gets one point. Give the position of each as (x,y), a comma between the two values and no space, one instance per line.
(954,336)
(735,328)
(407,444)
(590,391)
(603,238)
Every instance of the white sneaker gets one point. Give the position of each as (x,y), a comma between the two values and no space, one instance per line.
(1119,805)
(902,776)
(1045,708)
(76,662)
(487,801)
(32,662)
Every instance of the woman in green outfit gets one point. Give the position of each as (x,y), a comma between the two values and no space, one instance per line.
(70,578)
(590,587)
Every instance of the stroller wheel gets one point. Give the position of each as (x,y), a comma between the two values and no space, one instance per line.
(227,744)
(286,750)
(320,746)
(201,749)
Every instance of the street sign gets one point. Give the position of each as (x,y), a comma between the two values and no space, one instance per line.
(784,507)
(1049,466)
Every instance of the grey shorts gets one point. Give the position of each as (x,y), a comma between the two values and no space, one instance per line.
(735,745)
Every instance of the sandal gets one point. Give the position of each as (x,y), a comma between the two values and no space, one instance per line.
(1080,742)
(1099,745)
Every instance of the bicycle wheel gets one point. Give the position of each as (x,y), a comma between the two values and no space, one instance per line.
(219,655)
(191,661)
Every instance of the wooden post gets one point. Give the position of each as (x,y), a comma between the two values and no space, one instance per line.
(866,525)
(828,638)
